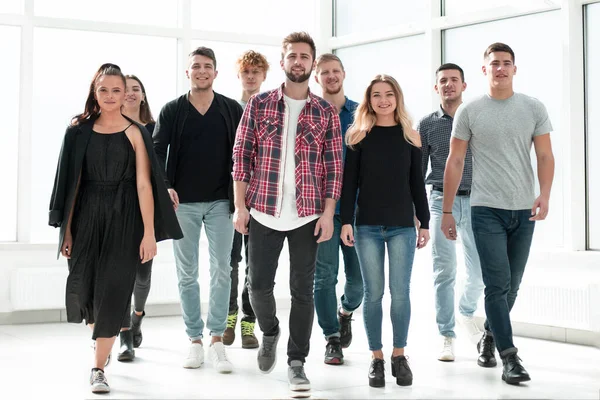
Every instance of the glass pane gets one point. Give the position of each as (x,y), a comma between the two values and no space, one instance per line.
(60,91)
(593,122)
(138,12)
(12,7)
(456,7)
(353,16)
(363,62)
(227,53)
(265,17)
(10,48)
(465,46)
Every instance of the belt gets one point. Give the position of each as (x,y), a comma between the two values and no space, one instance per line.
(119,185)
(466,192)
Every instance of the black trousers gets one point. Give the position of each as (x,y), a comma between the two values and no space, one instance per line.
(143,279)
(265,246)
(236,259)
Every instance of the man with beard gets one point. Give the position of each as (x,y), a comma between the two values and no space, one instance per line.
(193,140)
(287,169)
(336,323)
(435,130)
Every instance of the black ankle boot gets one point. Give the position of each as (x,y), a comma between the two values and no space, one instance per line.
(377,373)
(136,328)
(126,351)
(514,372)
(401,371)
(486,348)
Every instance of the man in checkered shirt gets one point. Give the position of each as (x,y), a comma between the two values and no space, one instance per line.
(288,170)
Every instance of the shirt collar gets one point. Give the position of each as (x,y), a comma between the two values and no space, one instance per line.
(345,106)
(279,92)
(441,113)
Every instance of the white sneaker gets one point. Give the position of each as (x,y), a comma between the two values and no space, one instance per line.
(195,357)
(98,382)
(218,357)
(447,353)
(471,327)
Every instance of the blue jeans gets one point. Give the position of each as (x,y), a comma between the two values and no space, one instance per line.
(219,231)
(328,262)
(444,263)
(503,239)
(370,247)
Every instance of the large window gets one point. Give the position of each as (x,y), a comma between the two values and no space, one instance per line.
(592,67)
(60,90)
(404,59)
(11,7)
(539,74)
(456,7)
(137,12)
(264,17)
(9,132)
(355,16)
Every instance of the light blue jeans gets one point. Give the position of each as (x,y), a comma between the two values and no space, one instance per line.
(219,230)
(370,245)
(444,263)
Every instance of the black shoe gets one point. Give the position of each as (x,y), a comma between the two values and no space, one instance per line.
(136,328)
(486,349)
(333,351)
(126,351)
(345,329)
(514,372)
(377,373)
(401,370)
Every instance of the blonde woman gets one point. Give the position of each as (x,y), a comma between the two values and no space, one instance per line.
(383,164)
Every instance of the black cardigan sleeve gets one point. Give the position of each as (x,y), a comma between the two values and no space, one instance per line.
(417,187)
(59,191)
(161,138)
(350,184)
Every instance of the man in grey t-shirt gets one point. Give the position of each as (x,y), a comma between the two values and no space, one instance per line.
(500,127)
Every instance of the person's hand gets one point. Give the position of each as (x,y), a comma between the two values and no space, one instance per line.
(241,217)
(422,238)
(147,248)
(347,235)
(174,198)
(539,211)
(449,226)
(67,246)
(325,227)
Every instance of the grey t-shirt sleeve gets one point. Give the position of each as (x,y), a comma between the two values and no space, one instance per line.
(542,121)
(460,127)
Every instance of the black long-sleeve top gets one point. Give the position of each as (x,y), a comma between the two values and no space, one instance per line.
(386,171)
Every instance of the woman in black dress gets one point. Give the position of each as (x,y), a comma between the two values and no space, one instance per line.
(136,108)
(111,204)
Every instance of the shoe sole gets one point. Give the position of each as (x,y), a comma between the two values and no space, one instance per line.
(407,382)
(193,366)
(126,358)
(376,382)
(101,390)
(516,381)
(301,387)
(334,361)
(250,346)
(446,359)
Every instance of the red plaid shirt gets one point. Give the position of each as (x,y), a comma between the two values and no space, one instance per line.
(318,153)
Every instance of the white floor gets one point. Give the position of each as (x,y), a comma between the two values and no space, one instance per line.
(50,360)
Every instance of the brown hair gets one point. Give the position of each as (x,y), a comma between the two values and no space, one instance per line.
(145,113)
(92,108)
(327,57)
(298,37)
(499,47)
(365,117)
(206,52)
(252,58)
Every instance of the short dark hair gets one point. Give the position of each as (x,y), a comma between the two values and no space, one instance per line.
(206,52)
(498,47)
(448,66)
(327,57)
(299,37)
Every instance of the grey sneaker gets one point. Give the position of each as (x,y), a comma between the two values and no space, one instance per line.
(267,354)
(98,381)
(297,378)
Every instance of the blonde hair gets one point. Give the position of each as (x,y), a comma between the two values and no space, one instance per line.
(365,118)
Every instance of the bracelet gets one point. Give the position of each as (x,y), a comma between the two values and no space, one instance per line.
(447,212)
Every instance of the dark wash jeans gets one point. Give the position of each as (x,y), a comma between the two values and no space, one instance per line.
(240,240)
(265,246)
(503,239)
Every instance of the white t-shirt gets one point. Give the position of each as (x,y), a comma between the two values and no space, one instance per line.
(288,218)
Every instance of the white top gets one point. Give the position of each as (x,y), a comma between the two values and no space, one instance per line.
(288,215)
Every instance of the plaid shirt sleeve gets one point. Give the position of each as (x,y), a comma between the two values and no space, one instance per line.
(244,149)
(332,158)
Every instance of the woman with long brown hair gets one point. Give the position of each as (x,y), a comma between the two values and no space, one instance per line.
(111,204)
(137,108)
(383,165)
